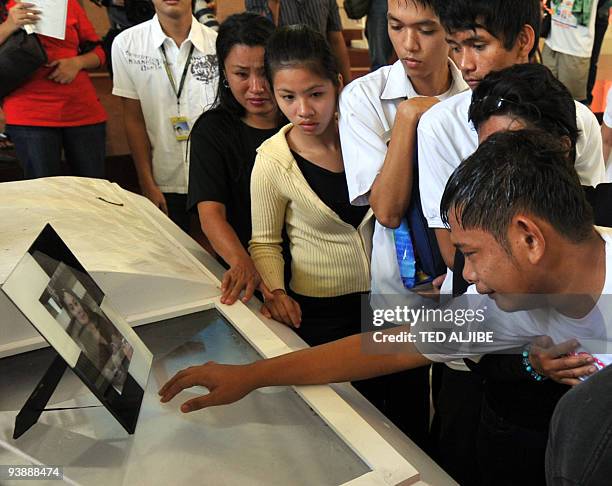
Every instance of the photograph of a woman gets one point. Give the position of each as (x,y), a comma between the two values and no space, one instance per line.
(98,338)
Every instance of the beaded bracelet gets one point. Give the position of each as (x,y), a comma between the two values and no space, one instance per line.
(529,369)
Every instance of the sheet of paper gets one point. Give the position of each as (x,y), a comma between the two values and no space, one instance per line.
(52,18)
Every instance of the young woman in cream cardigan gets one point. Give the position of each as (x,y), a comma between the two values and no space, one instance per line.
(298,184)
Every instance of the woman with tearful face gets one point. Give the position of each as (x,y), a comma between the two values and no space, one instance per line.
(223,144)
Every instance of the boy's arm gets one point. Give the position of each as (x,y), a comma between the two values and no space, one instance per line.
(338,361)
(392,188)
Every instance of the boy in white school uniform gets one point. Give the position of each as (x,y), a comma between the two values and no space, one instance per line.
(391,100)
(379,166)
(485,36)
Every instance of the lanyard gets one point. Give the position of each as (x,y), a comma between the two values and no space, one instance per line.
(171,77)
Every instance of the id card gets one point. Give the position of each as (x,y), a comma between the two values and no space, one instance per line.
(180,126)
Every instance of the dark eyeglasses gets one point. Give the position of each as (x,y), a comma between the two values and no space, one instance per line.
(491,105)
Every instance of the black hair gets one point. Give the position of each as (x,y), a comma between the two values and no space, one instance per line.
(418,3)
(503,19)
(518,171)
(72,293)
(529,92)
(299,45)
(247,29)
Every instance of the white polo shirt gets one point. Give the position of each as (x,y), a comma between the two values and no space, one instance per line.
(446,138)
(566,35)
(367,114)
(139,74)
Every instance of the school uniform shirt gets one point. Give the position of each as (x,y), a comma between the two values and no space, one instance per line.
(139,74)
(568,35)
(367,113)
(446,137)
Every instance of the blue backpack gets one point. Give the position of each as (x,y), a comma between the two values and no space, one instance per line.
(424,262)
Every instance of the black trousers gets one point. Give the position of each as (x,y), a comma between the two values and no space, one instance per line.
(457,398)
(508,454)
(177,210)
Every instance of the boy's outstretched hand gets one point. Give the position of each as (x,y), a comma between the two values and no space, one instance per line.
(226,383)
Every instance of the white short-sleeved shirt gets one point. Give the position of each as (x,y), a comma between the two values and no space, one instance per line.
(139,74)
(566,35)
(517,329)
(446,138)
(367,114)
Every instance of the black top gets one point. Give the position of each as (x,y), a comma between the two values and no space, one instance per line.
(222,156)
(332,189)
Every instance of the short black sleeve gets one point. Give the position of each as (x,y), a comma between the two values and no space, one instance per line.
(222,155)
(208,176)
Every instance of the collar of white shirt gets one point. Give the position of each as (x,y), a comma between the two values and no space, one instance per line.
(196,37)
(398,85)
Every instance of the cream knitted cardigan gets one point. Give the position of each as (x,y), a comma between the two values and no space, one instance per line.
(329,257)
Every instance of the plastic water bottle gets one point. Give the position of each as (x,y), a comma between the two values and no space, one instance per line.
(405,254)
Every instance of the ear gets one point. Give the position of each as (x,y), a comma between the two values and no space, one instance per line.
(525,42)
(527,239)
(339,89)
(566,143)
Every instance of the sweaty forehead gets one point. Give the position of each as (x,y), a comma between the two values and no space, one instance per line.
(461,236)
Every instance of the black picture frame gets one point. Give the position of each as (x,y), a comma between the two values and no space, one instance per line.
(123,401)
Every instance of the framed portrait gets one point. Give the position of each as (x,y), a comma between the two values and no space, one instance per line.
(71,312)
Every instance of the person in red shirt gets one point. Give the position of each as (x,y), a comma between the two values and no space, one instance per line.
(58,107)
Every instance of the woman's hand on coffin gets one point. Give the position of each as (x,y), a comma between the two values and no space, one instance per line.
(282,308)
(226,384)
(242,275)
(557,361)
